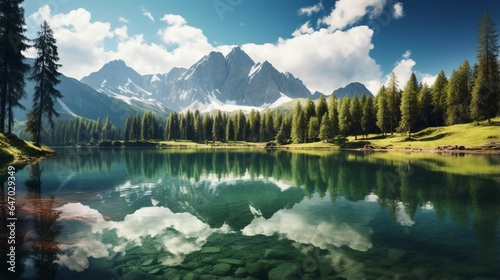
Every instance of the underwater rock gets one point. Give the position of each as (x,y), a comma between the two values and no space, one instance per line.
(222,269)
(210,250)
(191,276)
(231,261)
(148,262)
(241,272)
(155,271)
(208,260)
(395,255)
(276,254)
(256,270)
(283,271)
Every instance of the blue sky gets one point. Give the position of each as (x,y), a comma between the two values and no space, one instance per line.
(325,43)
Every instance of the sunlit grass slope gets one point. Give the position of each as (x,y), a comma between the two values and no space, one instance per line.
(11,147)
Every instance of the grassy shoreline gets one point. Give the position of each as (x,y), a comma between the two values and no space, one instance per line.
(15,151)
(482,138)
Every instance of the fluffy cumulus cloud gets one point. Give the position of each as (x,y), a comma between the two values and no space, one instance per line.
(324,60)
(348,12)
(80,41)
(398,10)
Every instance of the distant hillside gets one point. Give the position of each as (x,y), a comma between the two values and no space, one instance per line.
(351,90)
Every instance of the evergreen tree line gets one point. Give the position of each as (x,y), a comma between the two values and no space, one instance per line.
(80,131)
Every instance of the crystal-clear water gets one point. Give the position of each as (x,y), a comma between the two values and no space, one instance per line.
(205,214)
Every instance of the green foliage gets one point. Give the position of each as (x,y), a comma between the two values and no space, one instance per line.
(409,105)
(13,44)
(393,102)
(325,130)
(321,108)
(299,124)
(425,106)
(313,128)
(356,113)
(45,74)
(459,93)
(369,119)
(345,120)
(439,95)
(485,102)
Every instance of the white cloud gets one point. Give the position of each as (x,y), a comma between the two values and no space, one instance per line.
(398,10)
(123,20)
(407,54)
(348,12)
(79,40)
(304,29)
(324,60)
(403,70)
(311,10)
(426,78)
(121,32)
(148,14)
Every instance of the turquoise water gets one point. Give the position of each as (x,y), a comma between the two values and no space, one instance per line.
(182,214)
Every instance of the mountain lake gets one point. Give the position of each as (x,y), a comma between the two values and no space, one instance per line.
(217,214)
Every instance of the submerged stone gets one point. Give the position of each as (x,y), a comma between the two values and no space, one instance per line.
(395,255)
(256,270)
(241,272)
(231,261)
(191,276)
(210,250)
(155,271)
(148,262)
(222,269)
(276,254)
(283,271)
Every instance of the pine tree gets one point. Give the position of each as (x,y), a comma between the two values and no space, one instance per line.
(240,126)
(198,126)
(458,95)
(356,112)
(321,108)
(207,127)
(333,115)
(285,131)
(12,67)
(425,106)
(409,105)
(345,119)
(486,92)
(439,96)
(313,128)
(325,130)
(45,76)
(299,124)
(230,130)
(393,102)
(106,129)
(254,126)
(369,119)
